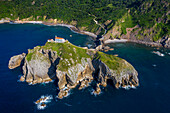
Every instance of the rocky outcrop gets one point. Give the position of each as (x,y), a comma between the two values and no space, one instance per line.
(121,77)
(165,41)
(41,67)
(72,66)
(16,61)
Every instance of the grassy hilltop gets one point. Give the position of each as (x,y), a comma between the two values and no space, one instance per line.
(70,55)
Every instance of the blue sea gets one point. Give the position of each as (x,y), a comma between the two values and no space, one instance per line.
(152,95)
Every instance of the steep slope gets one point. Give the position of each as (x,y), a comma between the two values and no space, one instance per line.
(148,24)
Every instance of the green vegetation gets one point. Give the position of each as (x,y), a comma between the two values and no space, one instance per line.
(145,13)
(111,61)
(69,54)
(150,12)
(82,11)
(29,57)
(128,23)
(161,30)
(114,63)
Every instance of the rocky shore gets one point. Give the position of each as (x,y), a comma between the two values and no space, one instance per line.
(74,66)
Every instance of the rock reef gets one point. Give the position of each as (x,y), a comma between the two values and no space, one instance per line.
(72,66)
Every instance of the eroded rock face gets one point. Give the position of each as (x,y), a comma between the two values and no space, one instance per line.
(41,68)
(80,73)
(16,61)
(120,77)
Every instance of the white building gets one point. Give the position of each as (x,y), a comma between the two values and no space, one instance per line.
(59,40)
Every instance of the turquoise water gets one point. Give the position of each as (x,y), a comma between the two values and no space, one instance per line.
(152,96)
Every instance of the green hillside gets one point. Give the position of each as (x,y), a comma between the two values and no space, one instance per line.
(145,13)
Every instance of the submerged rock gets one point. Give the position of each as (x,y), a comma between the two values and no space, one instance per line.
(70,66)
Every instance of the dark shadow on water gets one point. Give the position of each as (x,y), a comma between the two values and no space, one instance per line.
(52,69)
(110,82)
(97,41)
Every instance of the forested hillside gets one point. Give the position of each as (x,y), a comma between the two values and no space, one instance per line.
(144,13)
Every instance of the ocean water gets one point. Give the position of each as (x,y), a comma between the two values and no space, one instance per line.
(152,96)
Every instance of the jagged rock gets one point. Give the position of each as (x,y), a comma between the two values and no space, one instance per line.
(98,90)
(16,61)
(82,85)
(22,79)
(63,93)
(62,79)
(100,47)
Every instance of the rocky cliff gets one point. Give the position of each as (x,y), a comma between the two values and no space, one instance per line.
(72,66)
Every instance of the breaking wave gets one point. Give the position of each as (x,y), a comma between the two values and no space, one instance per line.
(43,101)
(129,87)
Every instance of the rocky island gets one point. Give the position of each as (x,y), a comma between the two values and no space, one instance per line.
(72,66)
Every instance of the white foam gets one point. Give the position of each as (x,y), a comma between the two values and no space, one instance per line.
(45,99)
(168,53)
(48,82)
(92,92)
(133,87)
(154,65)
(39,107)
(32,84)
(65,88)
(158,53)
(129,87)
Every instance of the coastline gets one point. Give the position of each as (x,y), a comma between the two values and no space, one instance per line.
(115,41)
(151,44)
(71,27)
(76,30)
